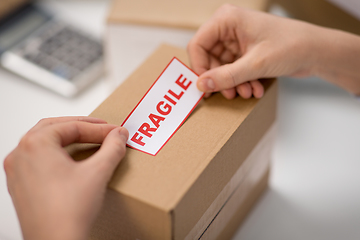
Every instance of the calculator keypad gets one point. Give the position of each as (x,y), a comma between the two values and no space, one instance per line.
(62,50)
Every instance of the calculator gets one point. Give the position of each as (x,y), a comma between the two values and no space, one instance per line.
(49,52)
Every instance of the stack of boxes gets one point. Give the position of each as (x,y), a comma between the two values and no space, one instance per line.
(203,181)
(207,177)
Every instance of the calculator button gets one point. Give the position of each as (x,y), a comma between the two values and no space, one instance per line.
(63,51)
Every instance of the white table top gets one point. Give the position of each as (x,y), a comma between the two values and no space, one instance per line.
(314,187)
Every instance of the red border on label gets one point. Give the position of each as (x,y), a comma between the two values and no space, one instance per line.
(145,96)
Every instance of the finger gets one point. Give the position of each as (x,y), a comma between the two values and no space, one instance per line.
(77,131)
(233,47)
(214,62)
(199,48)
(199,59)
(226,57)
(50,121)
(229,75)
(217,49)
(111,152)
(257,88)
(244,90)
(207,95)
(229,93)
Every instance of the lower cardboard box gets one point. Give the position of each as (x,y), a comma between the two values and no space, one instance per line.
(203,181)
(245,187)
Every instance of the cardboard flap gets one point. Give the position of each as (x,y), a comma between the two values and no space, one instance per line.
(163,179)
(183,14)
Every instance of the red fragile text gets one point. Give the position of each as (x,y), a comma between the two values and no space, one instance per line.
(163,108)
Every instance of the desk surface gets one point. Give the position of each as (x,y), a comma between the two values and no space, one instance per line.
(313,191)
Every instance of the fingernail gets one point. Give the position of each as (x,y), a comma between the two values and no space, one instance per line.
(206,85)
(124,134)
(209,83)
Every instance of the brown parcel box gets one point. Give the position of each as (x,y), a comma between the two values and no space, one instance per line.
(203,181)
(321,12)
(137,27)
(188,14)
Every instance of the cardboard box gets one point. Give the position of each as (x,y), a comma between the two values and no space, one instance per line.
(137,27)
(350,6)
(321,12)
(217,162)
(7,6)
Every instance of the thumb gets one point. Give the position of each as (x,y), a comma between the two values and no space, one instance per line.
(227,76)
(111,152)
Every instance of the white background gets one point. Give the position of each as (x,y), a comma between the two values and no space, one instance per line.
(314,190)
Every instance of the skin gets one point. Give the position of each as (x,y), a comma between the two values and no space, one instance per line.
(58,198)
(54,196)
(238,46)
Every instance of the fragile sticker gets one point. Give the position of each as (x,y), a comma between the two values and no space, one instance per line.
(163,109)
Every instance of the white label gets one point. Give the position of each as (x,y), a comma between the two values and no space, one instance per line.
(163,109)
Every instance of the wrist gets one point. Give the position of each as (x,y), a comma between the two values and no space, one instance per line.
(338,58)
(324,52)
(313,51)
(306,50)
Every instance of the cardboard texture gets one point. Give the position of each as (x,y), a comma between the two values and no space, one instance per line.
(137,27)
(243,185)
(7,6)
(180,14)
(321,12)
(196,173)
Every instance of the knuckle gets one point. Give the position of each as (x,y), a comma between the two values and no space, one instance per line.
(28,142)
(116,157)
(44,121)
(120,149)
(229,77)
(227,8)
(190,45)
(259,63)
(8,164)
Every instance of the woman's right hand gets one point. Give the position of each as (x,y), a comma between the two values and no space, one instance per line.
(237,46)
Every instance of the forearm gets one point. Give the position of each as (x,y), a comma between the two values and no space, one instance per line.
(271,46)
(45,232)
(42,224)
(338,58)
